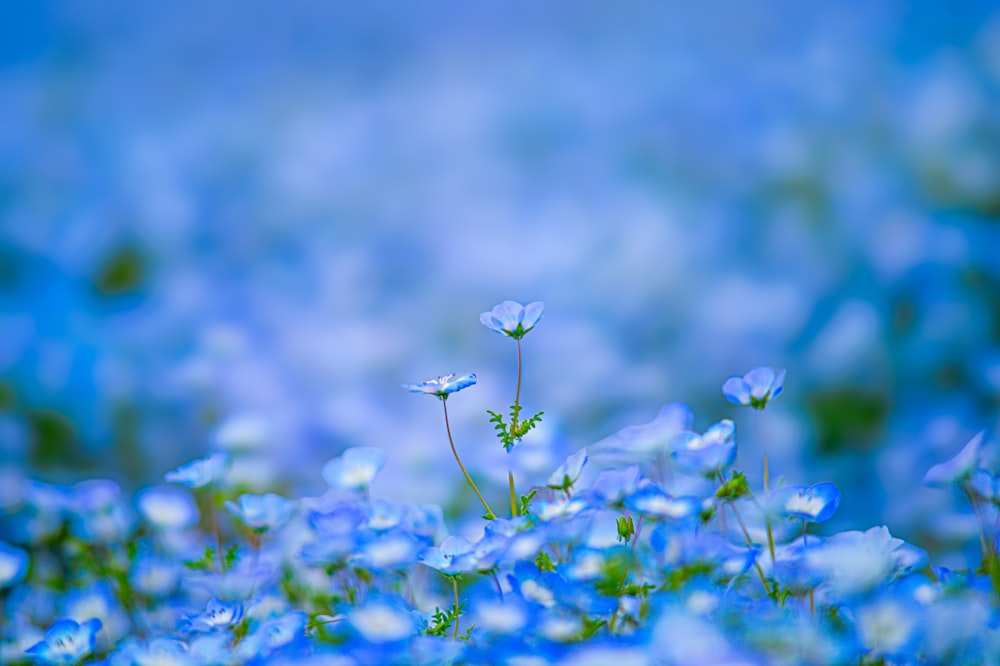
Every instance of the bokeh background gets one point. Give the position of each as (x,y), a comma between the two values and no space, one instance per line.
(245,224)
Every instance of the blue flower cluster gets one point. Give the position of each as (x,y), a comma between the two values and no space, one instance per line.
(647,547)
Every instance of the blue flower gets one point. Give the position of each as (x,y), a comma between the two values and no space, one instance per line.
(66,642)
(566,474)
(442,386)
(513,319)
(217,614)
(262,512)
(13,565)
(707,454)
(199,473)
(959,469)
(815,504)
(755,388)
(355,468)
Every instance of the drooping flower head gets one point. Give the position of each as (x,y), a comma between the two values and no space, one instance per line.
(959,469)
(755,388)
(513,319)
(442,386)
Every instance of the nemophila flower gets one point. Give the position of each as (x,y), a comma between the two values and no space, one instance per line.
(652,501)
(217,614)
(154,576)
(457,555)
(199,473)
(13,565)
(97,512)
(567,474)
(513,319)
(958,469)
(355,468)
(442,386)
(706,455)
(262,512)
(755,388)
(852,562)
(610,486)
(155,652)
(886,626)
(641,443)
(815,504)
(66,642)
(382,621)
(167,507)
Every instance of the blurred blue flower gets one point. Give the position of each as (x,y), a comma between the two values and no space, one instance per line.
(66,642)
(262,512)
(442,386)
(815,504)
(513,319)
(566,474)
(649,499)
(217,614)
(13,565)
(355,468)
(199,473)
(707,454)
(755,388)
(960,468)
(167,507)
(382,621)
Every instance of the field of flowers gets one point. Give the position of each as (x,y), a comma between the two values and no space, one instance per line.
(752,423)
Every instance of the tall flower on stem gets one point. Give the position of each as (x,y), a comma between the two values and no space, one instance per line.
(441,388)
(513,320)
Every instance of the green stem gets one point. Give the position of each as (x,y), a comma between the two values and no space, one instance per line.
(746,538)
(767,518)
(513,497)
(454,586)
(212,497)
(489,512)
(517,393)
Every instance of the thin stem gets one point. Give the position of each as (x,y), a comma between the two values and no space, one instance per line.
(804,544)
(638,528)
(215,528)
(983,544)
(489,512)
(812,603)
(746,538)
(513,497)
(767,518)
(454,586)
(517,393)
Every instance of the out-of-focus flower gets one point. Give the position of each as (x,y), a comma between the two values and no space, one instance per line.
(815,504)
(708,454)
(167,507)
(652,501)
(513,319)
(382,622)
(959,469)
(262,512)
(199,473)
(217,614)
(442,386)
(66,642)
(566,474)
(355,468)
(13,565)
(755,388)
(852,562)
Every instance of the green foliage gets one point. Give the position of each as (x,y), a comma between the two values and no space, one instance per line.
(204,563)
(626,528)
(231,557)
(734,488)
(526,502)
(676,578)
(544,562)
(590,627)
(511,433)
(442,621)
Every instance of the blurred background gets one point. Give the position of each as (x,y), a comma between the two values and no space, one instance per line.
(243,225)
